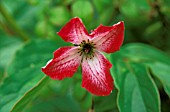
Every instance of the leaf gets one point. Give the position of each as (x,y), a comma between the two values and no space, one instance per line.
(59,15)
(61,87)
(8,47)
(137,91)
(25,72)
(157,60)
(161,71)
(127,75)
(51,99)
(44,30)
(103,18)
(107,103)
(153,30)
(55,104)
(143,53)
(133,8)
(67,2)
(82,96)
(83,9)
(101,5)
(79,93)
(30,95)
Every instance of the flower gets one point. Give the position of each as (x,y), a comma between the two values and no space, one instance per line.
(96,77)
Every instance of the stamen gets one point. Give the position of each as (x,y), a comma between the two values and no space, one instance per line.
(81,53)
(76,45)
(84,41)
(86,49)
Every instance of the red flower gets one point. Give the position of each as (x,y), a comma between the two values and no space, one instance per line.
(87,53)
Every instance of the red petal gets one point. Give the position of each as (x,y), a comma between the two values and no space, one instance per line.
(74,31)
(64,64)
(108,39)
(96,75)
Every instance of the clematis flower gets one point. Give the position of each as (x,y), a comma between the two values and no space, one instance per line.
(87,53)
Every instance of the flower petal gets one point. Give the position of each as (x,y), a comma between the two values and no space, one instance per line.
(96,75)
(108,39)
(74,31)
(64,64)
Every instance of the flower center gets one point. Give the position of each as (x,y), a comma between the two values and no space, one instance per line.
(86,49)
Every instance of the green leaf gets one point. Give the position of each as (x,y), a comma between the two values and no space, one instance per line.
(157,60)
(43,29)
(59,15)
(107,103)
(67,2)
(143,53)
(127,75)
(161,71)
(25,72)
(153,30)
(83,9)
(8,47)
(101,5)
(30,95)
(103,18)
(61,87)
(54,103)
(82,96)
(79,92)
(133,8)
(137,91)
(165,9)
(86,102)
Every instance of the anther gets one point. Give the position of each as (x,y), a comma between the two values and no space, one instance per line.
(81,53)
(84,41)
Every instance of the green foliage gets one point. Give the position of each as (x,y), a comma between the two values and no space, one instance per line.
(29,96)
(28,39)
(133,8)
(59,15)
(106,103)
(83,9)
(135,94)
(8,47)
(22,71)
(161,71)
(137,90)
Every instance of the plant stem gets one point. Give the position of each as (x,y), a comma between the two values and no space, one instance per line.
(10,20)
(92,105)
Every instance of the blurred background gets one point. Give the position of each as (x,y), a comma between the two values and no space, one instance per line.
(28,38)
